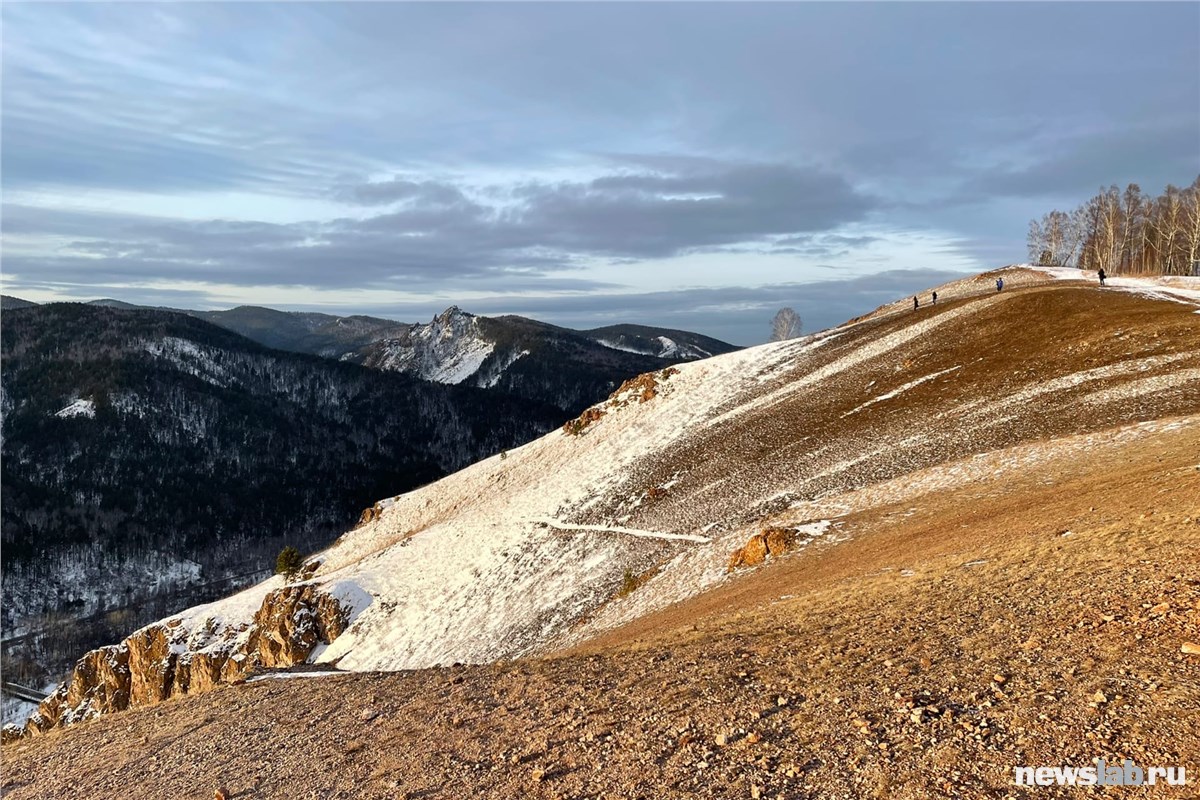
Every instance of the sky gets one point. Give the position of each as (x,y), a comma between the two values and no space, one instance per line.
(689,165)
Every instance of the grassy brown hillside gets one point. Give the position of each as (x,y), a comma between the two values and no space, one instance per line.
(1032,616)
(979,373)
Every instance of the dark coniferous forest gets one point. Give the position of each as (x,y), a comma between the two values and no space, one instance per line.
(152,460)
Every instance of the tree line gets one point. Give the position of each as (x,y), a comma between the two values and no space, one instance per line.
(1123,232)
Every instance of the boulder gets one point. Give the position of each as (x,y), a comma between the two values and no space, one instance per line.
(755,551)
(780,540)
(772,542)
(736,559)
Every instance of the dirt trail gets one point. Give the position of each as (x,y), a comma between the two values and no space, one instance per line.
(1033,620)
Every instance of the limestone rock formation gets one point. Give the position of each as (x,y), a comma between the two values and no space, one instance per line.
(772,542)
(292,622)
(154,664)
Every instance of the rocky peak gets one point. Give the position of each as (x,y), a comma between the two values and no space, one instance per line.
(450,314)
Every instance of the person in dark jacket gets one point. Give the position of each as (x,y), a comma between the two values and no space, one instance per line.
(935,298)
(916,303)
(999,284)
(1102,276)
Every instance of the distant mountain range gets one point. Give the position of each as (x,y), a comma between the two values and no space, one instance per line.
(567,368)
(153,458)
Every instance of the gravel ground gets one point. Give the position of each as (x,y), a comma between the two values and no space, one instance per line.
(1033,620)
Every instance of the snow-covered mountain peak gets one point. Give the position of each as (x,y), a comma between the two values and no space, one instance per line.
(450,314)
(530,358)
(448,349)
(451,323)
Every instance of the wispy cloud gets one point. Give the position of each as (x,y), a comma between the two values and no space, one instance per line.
(568,148)
(434,234)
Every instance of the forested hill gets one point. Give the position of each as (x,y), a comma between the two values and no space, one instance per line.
(146,450)
(513,355)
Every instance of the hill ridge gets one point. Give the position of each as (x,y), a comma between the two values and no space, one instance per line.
(467,569)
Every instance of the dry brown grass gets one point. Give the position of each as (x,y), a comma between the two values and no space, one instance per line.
(970,604)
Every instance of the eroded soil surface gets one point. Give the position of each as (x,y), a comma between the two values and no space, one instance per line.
(1033,619)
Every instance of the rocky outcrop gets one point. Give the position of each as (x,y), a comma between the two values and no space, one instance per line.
(155,663)
(292,622)
(369,515)
(772,542)
(574,427)
(780,540)
(643,388)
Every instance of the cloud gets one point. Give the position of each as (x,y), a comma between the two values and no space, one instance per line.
(99,97)
(829,245)
(458,148)
(1079,164)
(653,215)
(424,192)
(437,234)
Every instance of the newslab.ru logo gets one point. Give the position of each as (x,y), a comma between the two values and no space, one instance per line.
(1102,774)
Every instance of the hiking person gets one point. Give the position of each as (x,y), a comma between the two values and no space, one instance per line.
(916,303)
(935,298)
(1102,276)
(999,284)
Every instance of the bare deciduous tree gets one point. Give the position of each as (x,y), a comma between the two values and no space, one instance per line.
(1054,239)
(785,325)
(1038,252)
(1123,232)
(1192,224)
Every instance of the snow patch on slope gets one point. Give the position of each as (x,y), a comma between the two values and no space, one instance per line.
(623,348)
(900,390)
(1142,387)
(77,408)
(1179,288)
(312,673)
(665,347)
(469,593)
(497,371)
(189,357)
(459,363)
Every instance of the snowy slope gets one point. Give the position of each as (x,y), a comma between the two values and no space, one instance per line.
(1183,289)
(449,349)
(526,551)
(659,347)
(78,408)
